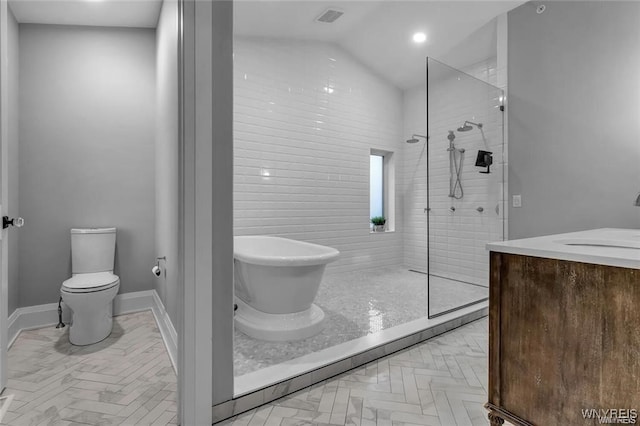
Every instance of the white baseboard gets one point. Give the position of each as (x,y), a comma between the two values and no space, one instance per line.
(32,317)
(137,301)
(40,316)
(167,330)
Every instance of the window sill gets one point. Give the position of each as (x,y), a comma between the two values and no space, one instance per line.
(386,231)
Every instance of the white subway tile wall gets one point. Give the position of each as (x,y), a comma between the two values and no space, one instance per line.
(457,238)
(306,117)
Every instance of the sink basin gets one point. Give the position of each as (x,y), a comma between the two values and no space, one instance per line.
(592,242)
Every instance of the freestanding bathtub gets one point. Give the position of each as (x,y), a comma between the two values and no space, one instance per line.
(276,282)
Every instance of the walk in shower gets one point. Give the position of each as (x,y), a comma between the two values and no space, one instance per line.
(464,203)
(322,144)
(454,185)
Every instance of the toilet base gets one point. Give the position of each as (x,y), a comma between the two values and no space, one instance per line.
(278,327)
(92,315)
(92,327)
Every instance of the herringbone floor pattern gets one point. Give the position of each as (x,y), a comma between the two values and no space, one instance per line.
(126,379)
(440,382)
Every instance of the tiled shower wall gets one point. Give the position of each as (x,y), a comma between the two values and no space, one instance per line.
(457,238)
(306,116)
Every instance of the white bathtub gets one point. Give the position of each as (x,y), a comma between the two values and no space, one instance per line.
(276,282)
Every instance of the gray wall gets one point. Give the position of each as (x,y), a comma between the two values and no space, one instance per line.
(167,154)
(12,146)
(574,108)
(87,117)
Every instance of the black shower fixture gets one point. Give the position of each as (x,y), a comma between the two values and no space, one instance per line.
(484,159)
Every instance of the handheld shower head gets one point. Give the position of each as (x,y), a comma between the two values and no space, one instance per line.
(414,138)
(468,126)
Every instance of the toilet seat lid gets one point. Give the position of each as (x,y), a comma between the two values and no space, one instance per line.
(85,283)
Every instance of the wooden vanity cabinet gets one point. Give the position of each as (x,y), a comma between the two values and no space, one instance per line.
(563,337)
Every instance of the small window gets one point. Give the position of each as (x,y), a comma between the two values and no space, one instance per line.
(381,188)
(376,186)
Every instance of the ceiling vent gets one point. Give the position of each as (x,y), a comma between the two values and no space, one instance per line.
(329,16)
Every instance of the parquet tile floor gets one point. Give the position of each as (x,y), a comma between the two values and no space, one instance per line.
(127,379)
(442,381)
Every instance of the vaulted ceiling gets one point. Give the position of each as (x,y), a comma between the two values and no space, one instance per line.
(378,33)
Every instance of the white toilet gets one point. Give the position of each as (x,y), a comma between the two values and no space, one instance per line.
(90,291)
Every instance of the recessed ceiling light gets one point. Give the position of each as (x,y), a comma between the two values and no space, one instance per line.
(419,37)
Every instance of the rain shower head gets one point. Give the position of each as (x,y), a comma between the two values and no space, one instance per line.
(414,138)
(468,126)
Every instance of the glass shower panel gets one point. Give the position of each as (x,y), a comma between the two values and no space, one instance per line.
(464,183)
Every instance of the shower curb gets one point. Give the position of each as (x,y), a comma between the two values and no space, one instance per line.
(251,400)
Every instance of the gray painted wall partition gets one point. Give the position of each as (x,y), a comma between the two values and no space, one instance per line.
(206,220)
(87,118)
(222,196)
(574,133)
(166,155)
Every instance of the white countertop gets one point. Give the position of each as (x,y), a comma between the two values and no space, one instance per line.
(606,246)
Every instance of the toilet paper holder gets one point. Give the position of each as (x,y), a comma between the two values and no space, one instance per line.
(157,270)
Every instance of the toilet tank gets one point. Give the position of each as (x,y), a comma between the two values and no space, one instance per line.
(92,250)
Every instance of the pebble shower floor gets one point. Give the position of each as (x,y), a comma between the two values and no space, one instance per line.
(357,304)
